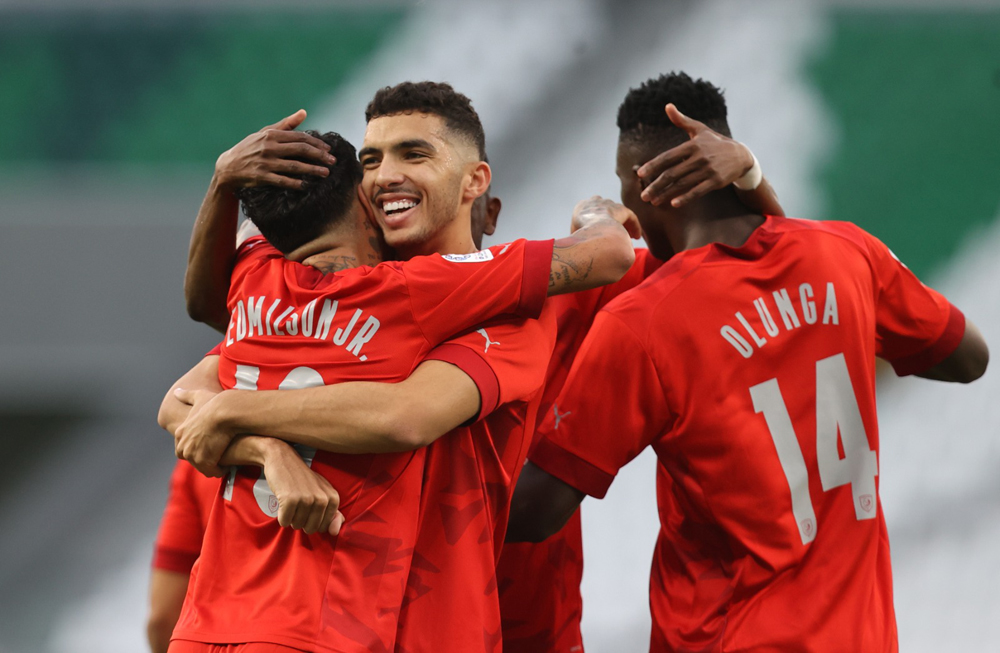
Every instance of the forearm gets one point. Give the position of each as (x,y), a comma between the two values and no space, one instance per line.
(358,417)
(345,418)
(596,254)
(762,199)
(253,450)
(210,257)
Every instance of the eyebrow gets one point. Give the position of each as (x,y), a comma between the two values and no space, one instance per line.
(410,144)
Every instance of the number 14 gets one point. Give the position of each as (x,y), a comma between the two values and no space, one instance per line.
(836,412)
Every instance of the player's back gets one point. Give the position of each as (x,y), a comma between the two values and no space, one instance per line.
(772,535)
(294,327)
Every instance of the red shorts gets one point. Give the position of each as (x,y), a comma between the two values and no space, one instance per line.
(185,646)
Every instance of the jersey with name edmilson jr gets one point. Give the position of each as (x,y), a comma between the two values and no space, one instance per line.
(294,327)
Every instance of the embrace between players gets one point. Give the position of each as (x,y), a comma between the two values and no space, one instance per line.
(370,513)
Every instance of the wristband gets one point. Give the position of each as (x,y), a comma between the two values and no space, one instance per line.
(752,178)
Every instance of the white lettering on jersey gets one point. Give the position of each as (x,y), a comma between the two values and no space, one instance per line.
(249,320)
(830,307)
(364,335)
(745,337)
(474,257)
(489,342)
(254,317)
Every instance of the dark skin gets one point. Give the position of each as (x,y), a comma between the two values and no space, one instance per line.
(542,503)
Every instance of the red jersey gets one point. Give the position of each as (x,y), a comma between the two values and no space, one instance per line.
(451,602)
(185,516)
(539,583)
(751,373)
(294,327)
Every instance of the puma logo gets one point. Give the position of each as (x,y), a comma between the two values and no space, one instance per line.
(559,418)
(489,342)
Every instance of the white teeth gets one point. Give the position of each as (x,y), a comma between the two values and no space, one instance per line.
(398,205)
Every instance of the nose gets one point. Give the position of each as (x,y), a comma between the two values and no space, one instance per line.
(389,173)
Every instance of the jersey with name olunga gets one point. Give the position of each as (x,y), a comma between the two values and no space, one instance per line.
(294,327)
(751,373)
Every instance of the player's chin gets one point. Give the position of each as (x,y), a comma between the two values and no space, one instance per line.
(402,236)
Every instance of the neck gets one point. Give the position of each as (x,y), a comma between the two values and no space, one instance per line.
(349,246)
(719,217)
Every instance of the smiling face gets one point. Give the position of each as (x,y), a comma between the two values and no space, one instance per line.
(421,179)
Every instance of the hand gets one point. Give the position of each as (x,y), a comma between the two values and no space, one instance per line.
(597,208)
(273,156)
(306,500)
(199,439)
(707,162)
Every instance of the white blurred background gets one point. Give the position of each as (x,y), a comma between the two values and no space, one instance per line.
(112,113)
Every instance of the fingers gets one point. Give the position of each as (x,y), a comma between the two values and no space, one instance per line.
(632,226)
(185,396)
(289,122)
(690,125)
(311,146)
(336,524)
(701,189)
(664,161)
(664,187)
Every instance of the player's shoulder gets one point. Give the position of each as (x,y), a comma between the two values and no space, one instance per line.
(846,232)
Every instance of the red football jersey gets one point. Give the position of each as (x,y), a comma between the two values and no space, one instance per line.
(451,602)
(539,583)
(751,373)
(294,327)
(185,516)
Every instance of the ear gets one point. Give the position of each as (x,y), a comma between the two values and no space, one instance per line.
(492,213)
(478,182)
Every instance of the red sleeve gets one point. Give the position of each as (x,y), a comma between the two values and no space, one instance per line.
(506,357)
(916,327)
(450,294)
(611,408)
(215,351)
(182,529)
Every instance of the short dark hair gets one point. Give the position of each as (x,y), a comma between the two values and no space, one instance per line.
(643,121)
(291,218)
(436,98)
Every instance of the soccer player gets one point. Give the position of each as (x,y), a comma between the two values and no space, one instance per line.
(191,494)
(539,582)
(298,326)
(747,362)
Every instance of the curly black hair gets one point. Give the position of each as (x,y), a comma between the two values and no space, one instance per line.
(435,98)
(643,121)
(291,218)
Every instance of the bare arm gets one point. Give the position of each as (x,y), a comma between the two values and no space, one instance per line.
(264,157)
(707,162)
(355,417)
(541,506)
(166,597)
(967,363)
(599,250)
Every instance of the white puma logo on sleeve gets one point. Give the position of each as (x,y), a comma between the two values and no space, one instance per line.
(489,342)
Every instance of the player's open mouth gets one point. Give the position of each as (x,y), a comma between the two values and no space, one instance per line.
(396,212)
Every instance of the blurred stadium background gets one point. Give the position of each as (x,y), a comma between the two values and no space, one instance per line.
(112,113)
